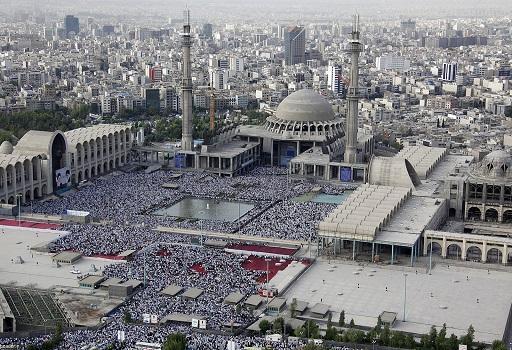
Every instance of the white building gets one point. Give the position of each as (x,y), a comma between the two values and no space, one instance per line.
(393,62)
(334,78)
(44,162)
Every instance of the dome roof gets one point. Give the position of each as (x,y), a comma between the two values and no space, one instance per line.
(305,105)
(6,148)
(495,165)
(497,158)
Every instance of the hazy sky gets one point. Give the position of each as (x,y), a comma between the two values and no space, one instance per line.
(274,8)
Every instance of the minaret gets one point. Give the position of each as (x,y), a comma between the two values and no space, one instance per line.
(186,87)
(354,48)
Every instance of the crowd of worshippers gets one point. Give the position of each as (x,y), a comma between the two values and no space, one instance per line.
(124,205)
(134,333)
(213,271)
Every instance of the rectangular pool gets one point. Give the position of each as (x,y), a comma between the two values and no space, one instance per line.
(206,209)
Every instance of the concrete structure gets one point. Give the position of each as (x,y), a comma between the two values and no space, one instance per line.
(7,320)
(488,189)
(355,47)
(44,162)
(67,257)
(423,159)
(186,140)
(468,246)
(91,281)
(294,45)
(392,62)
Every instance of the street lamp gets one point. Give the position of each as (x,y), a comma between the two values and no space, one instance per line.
(18,202)
(430,258)
(201,213)
(267,260)
(405,294)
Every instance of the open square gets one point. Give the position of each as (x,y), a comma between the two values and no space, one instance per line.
(457,296)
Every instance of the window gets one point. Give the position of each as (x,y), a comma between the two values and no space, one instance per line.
(493,192)
(475,191)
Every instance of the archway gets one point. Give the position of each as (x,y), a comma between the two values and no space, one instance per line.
(507,216)
(10,200)
(453,251)
(2,201)
(452,212)
(474,214)
(93,171)
(58,152)
(117,162)
(36,192)
(494,256)
(474,253)
(28,197)
(79,176)
(436,248)
(73,179)
(98,171)
(86,174)
(44,190)
(111,164)
(491,215)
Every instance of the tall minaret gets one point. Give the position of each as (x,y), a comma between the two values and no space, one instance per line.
(186,87)
(354,48)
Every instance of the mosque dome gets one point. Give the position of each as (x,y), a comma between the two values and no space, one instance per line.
(305,106)
(6,148)
(495,165)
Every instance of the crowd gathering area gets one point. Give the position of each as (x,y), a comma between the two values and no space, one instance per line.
(123,205)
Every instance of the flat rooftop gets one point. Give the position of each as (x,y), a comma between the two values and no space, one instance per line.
(413,217)
(38,269)
(230,149)
(453,300)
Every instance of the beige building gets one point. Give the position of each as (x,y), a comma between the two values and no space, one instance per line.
(45,162)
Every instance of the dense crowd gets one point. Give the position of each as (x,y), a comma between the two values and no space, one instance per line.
(217,274)
(123,206)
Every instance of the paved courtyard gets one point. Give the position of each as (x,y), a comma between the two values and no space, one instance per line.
(37,271)
(457,296)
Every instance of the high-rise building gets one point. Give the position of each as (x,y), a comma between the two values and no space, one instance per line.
(449,71)
(294,45)
(218,78)
(393,62)
(334,78)
(71,25)
(207,30)
(152,97)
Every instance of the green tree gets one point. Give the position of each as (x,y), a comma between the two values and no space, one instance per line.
(264,325)
(385,336)
(293,307)
(397,340)
(452,342)
(468,339)
(441,341)
(127,317)
(312,346)
(351,324)
(278,325)
(354,336)
(309,330)
(432,337)
(175,341)
(498,345)
(331,333)
(341,321)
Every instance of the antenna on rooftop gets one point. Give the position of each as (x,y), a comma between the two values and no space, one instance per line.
(186,16)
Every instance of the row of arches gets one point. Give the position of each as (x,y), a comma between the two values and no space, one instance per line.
(473,253)
(278,126)
(28,196)
(101,147)
(490,215)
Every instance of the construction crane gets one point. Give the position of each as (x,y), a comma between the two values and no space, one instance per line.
(212,107)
